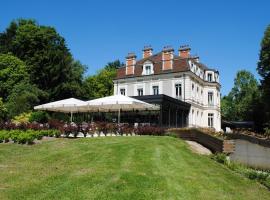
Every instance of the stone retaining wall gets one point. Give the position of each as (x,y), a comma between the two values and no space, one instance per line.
(250,150)
(245,149)
(213,143)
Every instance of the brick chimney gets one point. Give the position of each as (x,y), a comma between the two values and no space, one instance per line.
(147,51)
(167,57)
(130,63)
(184,51)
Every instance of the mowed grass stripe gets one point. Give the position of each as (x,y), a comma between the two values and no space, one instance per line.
(118,168)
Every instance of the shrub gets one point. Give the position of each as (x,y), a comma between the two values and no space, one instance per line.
(267,182)
(258,175)
(172,134)
(84,127)
(112,128)
(92,128)
(267,132)
(14,135)
(150,130)
(55,133)
(35,126)
(55,124)
(8,126)
(22,118)
(220,157)
(26,137)
(125,129)
(262,176)
(4,136)
(102,127)
(39,116)
(70,128)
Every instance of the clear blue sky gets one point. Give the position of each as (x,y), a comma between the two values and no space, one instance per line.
(225,34)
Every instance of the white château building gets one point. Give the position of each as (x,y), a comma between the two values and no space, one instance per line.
(187,91)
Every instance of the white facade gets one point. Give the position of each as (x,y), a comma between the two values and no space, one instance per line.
(198,87)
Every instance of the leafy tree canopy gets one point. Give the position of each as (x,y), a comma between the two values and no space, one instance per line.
(48,60)
(12,71)
(263,69)
(101,84)
(239,103)
(264,59)
(24,96)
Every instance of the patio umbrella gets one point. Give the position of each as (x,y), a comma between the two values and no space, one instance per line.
(70,105)
(117,103)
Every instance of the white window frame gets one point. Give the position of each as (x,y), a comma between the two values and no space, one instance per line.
(153,90)
(179,96)
(210,122)
(145,65)
(123,89)
(210,103)
(138,93)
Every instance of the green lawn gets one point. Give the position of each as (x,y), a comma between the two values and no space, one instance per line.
(117,168)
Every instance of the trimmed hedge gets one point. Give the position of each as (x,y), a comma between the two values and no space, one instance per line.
(26,136)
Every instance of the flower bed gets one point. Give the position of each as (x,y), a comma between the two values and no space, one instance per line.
(28,132)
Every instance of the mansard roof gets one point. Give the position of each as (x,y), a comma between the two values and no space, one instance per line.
(180,64)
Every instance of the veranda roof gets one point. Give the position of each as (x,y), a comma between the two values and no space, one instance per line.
(117,103)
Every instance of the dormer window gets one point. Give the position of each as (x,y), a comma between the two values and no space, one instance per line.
(148,68)
(209,77)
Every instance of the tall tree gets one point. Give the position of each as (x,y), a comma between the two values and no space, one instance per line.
(101,84)
(263,69)
(12,72)
(24,96)
(239,104)
(48,60)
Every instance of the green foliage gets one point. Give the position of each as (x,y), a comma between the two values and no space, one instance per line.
(101,84)
(27,136)
(263,69)
(239,104)
(49,61)
(22,98)
(3,110)
(22,118)
(264,64)
(12,72)
(267,132)
(36,67)
(172,134)
(220,157)
(39,116)
(261,176)
(4,136)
